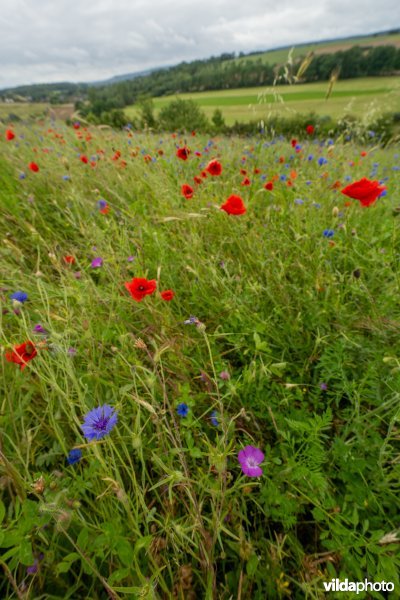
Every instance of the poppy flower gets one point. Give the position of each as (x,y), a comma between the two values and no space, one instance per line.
(364,190)
(140,287)
(214,168)
(33,167)
(10,135)
(197,179)
(22,354)
(167,295)
(69,259)
(246,181)
(310,129)
(187,191)
(294,143)
(269,186)
(234,205)
(83,158)
(183,153)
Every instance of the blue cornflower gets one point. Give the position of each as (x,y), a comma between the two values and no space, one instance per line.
(102,203)
(99,422)
(66,177)
(192,320)
(310,156)
(299,201)
(322,161)
(19,296)
(74,456)
(213,418)
(328,233)
(182,409)
(282,177)
(22,176)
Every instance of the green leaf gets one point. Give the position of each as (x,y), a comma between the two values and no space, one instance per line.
(118,575)
(2,511)
(251,565)
(83,539)
(25,553)
(125,551)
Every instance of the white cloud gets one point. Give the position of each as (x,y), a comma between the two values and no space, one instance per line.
(60,40)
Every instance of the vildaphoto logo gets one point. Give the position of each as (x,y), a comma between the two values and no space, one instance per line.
(336,585)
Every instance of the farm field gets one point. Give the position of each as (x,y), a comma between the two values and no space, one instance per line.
(200,360)
(300,51)
(364,96)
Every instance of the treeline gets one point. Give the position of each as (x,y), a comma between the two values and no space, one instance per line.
(219,73)
(55,93)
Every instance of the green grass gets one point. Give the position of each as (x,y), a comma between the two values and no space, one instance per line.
(356,96)
(159,508)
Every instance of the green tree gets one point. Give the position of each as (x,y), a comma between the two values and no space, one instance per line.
(182,115)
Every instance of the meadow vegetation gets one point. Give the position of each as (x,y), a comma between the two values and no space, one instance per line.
(276,327)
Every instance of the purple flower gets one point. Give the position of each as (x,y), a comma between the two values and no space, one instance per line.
(32,569)
(328,233)
(249,458)
(225,375)
(99,422)
(97,262)
(71,351)
(213,418)
(131,258)
(101,203)
(323,386)
(39,329)
(74,456)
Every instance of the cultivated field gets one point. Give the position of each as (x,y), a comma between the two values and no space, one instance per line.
(200,365)
(360,97)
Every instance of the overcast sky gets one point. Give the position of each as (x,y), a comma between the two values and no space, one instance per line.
(78,40)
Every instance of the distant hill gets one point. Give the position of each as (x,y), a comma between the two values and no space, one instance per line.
(195,75)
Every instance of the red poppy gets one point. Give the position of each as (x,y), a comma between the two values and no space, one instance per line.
(294,143)
(10,135)
(246,181)
(147,158)
(187,191)
(269,186)
(84,159)
(363,153)
(22,354)
(33,167)
(214,167)
(257,171)
(197,179)
(364,190)
(243,172)
(234,206)
(183,153)
(140,287)
(167,295)
(310,129)
(69,259)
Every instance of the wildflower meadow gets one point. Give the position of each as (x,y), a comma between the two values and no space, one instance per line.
(200,364)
